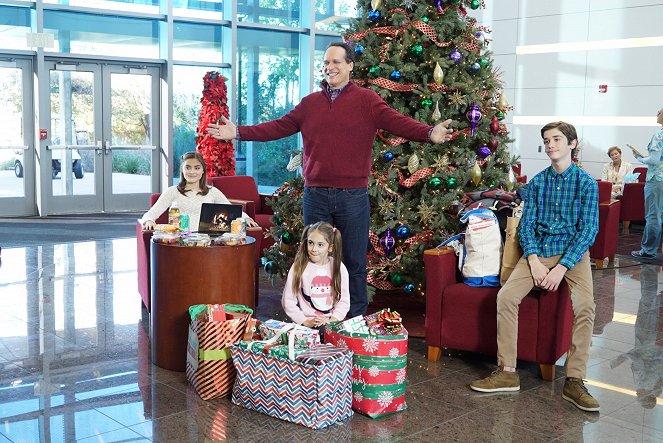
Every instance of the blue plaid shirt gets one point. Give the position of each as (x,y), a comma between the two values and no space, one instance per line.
(561,215)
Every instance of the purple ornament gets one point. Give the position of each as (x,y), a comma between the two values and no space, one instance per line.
(387,242)
(473,115)
(456,56)
(439,6)
(478,34)
(484,152)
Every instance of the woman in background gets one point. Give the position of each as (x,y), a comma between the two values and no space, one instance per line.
(615,171)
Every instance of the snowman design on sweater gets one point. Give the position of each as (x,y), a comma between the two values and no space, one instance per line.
(320,293)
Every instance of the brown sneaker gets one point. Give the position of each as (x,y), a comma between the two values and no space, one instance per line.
(498,381)
(576,392)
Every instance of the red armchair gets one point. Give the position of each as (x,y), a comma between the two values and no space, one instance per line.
(143,253)
(243,187)
(633,201)
(465,318)
(605,245)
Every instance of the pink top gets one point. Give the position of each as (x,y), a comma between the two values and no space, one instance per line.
(315,296)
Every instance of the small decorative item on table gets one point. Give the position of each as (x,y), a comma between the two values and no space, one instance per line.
(196,239)
(166,238)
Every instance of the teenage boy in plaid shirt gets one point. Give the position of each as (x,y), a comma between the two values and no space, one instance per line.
(558,226)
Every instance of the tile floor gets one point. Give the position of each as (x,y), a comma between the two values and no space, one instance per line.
(74,366)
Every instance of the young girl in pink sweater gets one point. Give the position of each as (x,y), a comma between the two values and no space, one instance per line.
(316,291)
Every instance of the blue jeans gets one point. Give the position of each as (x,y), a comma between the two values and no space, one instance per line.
(349,210)
(651,238)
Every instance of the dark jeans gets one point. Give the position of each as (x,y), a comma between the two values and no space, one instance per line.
(349,210)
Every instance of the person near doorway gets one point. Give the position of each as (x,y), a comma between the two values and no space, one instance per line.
(559,224)
(338,125)
(651,238)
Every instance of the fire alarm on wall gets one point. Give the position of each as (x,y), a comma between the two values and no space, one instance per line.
(603,89)
(43,134)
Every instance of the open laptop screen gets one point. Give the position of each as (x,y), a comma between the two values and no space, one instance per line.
(215,218)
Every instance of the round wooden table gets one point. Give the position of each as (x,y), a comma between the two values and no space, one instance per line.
(187,275)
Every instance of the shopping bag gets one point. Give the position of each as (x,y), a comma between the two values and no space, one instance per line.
(209,366)
(512,249)
(379,370)
(314,395)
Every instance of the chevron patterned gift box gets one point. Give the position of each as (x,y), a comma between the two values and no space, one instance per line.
(379,370)
(315,396)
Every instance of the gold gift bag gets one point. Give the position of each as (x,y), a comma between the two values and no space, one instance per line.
(512,250)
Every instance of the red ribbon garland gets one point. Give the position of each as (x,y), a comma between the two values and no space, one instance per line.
(414,178)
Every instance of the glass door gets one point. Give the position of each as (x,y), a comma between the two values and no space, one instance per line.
(17,159)
(103,137)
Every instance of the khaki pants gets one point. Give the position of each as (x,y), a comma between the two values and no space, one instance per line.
(520,283)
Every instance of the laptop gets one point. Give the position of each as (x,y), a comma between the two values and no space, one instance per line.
(215,218)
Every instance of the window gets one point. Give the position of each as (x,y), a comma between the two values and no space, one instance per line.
(201,43)
(270,12)
(268,80)
(14,26)
(78,33)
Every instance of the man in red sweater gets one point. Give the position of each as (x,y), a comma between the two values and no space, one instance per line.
(338,125)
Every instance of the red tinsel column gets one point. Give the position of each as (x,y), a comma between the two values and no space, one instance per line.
(219,155)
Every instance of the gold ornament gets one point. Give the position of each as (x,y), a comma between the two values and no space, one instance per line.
(476,174)
(457,99)
(510,180)
(426,213)
(438,74)
(502,104)
(441,162)
(376,4)
(413,164)
(436,113)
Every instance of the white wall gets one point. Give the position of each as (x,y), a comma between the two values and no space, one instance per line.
(563,84)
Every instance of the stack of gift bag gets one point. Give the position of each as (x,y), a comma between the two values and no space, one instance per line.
(288,374)
(379,363)
(283,370)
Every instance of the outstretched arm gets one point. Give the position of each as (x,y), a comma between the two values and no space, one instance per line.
(225,131)
(441,132)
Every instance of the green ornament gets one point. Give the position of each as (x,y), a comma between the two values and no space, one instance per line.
(434,183)
(475,4)
(276,220)
(426,103)
(374,70)
(456,1)
(287,237)
(500,115)
(417,50)
(452,183)
(397,279)
(424,19)
(483,62)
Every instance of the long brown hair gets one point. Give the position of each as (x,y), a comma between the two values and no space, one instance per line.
(331,236)
(202,183)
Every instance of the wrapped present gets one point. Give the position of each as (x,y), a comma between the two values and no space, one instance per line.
(285,351)
(270,328)
(356,325)
(217,312)
(315,396)
(379,370)
(304,337)
(209,368)
(385,322)
(320,354)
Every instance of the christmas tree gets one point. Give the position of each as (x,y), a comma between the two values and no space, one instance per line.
(428,60)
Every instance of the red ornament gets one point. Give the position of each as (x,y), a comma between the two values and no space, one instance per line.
(492,144)
(218,154)
(494,125)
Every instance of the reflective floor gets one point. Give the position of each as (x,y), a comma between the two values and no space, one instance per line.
(74,366)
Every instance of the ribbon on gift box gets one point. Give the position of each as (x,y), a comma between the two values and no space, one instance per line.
(385,322)
(320,354)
